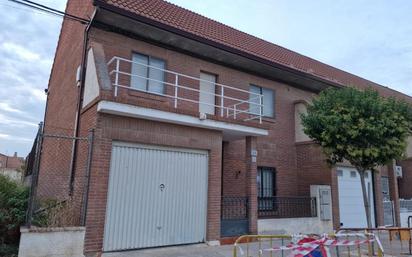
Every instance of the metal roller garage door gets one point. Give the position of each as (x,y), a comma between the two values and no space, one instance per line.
(351,207)
(157,196)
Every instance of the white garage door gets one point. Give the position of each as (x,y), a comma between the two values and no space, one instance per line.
(351,207)
(157,196)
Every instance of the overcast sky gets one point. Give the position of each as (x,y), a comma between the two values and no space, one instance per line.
(370,38)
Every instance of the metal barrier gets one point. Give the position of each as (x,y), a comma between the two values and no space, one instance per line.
(395,240)
(233,102)
(339,245)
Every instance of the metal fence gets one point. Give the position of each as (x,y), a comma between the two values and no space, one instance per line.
(234,216)
(59,178)
(394,241)
(286,207)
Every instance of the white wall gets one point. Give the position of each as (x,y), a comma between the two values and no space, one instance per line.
(52,242)
(404,219)
(294,226)
(11,173)
(409,148)
(91,85)
(310,225)
(300,136)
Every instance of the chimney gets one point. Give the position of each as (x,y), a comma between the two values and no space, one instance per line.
(15,154)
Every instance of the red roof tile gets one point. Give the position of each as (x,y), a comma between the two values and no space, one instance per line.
(196,24)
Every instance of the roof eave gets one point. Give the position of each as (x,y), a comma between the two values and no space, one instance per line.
(292,75)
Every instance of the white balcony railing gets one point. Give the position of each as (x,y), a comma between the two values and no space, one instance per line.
(232,102)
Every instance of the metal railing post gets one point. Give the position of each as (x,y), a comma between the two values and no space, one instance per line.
(222,100)
(236,108)
(116,83)
(90,139)
(234,112)
(176,87)
(35,176)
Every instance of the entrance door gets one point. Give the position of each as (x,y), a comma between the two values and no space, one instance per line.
(207,89)
(157,196)
(351,207)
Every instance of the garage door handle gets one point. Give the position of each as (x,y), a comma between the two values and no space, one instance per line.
(162,187)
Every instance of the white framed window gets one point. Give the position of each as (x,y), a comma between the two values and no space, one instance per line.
(268,101)
(149,79)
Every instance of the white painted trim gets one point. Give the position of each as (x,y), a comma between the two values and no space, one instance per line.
(213,243)
(160,148)
(170,117)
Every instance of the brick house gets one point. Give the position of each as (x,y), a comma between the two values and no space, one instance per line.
(193,119)
(11,166)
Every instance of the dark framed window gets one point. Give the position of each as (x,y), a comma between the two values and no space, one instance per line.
(266,182)
(268,101)
(266,189)
(149,79)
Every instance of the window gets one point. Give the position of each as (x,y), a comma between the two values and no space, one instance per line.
(353,174)
(267,101)
(148,79)
(266,182)
(266,189)
(340,173)
(385,188)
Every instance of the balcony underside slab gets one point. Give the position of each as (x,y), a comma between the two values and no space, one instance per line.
(230,131)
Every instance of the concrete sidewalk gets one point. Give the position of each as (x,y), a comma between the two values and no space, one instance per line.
(197,250)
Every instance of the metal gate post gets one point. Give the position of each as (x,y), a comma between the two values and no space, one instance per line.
(90,139)
(35,176)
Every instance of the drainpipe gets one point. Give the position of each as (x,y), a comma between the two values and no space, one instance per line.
(80,101)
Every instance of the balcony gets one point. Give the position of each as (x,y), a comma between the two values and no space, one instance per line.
(181,91)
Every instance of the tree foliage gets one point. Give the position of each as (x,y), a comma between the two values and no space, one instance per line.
(359,126)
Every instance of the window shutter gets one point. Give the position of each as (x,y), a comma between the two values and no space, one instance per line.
(140,71)
(156,75)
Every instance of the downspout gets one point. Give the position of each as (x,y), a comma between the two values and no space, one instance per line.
(80,101)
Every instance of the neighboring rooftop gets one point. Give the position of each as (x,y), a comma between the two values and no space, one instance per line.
(190,22)
(11,162)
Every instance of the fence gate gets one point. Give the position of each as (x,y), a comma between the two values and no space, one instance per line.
(58,173)
(234,216)
(388,218)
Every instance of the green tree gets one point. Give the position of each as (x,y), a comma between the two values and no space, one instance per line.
(361,127)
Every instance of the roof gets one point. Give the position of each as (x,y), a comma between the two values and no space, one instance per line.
(190,22)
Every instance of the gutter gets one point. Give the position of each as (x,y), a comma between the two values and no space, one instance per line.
(80,101)
(102,4)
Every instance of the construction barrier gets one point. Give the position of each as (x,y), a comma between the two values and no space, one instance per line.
(339,245)
(396,241)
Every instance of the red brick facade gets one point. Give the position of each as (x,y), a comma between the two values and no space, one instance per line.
(112,128)
(11,162)
(231,170)
(406,181)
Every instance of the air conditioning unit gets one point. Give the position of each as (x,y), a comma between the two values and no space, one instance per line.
(398,171)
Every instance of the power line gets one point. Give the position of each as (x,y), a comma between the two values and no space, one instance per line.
(49,10)
(30,10)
